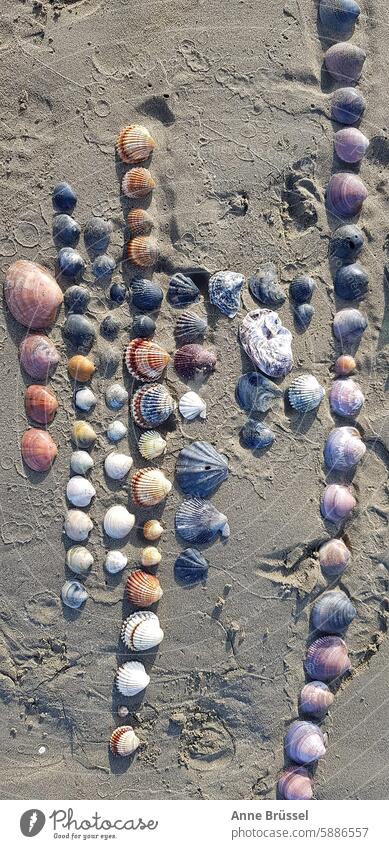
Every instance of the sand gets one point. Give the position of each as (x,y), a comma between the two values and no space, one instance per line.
(235,95)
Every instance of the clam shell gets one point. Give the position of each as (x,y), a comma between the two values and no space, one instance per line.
(118,293)
(334,557)
(117,465)
(200,521)
(115,561)
(200,469)
(32,295)
(143,251)
(189,327)
(116,431)
(256,393)
(327,659)
(295,784)
(79,331)
(77,525)
(149,487)
(151,445)
(81,368)
(103,267)
(150,556)
(118,522)
(301,289)
(63,197)
(79,491)
(190,567)
(70,264)
(256,435)
(73,594)
(337,502)
(182,291)
(38,449)
(146,360)
(83,434)
(131,678)
(303,315)
(332,612)
(345,364)
(135,144)
(123,741)
(191,405)
(264,286)
(346,397)
(224,291)
(345,194)
(116,396)
(142,631)
(151,405)
(97,235)
(38,356)
(346,243)
(85,399)
(41,404)
(137,183)
(315,699)
(344,448)
(351,282)
(304,742)
(143,326)
(66,231)
(305,393)
(140,222)
(76,299)
(339,16)
(193,361)
(344,61)
(350,144)
(143,589)
(146,295)
(349,325)
(81,462)
(79,560)
(347,106)
(152,530)
(267,342)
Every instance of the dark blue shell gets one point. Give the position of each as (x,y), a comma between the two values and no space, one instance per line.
(190,567)
(66,231)
(110,326)
(256,393)
(97,236)
(200,521)
(200,469)
(146,295)
(301,289)
(348,105)
(64,197)
(264,286)
(339,16)
(351,282)
(182,291)
(103,267)
(143,326)
(256,435)
(346,243)
(79,331)
(76,299)
(70,263)
(303,315)
(118,293)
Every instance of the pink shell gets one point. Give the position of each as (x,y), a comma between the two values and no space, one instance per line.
(334,557)
(38,449)
(38,356)
(295,783)
(350,144)
(337,502)
(32,294)
(345,194)
(327,659)
(315,699)
(304,742)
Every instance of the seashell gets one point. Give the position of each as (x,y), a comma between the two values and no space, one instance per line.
(256,393)
(327,659)
(337,502)
(189,327)
(200,469)
(149,487)
(110,326)
(116,396)
(332,612)
(143,589)
(70,263)
(224,291)
(73,594)
(66,231)
(118,522)
(182,291)
(345,364)
(38,449)
(150,556)
(200,521)
(77,525)
(151,405)
(344,448)
(143,251)
(142,631)
(264,286)
(339,16)
(143,326)
(346,243)
(146,295)
(41,404)
(152,530)
(146,360)
(123,711)
(108,359)
(151,445)
(346,397)
(334,557)
(192,361)
(118,293)
(83,434)
(303,315)
(79,491)
(131,678)
(135,144)
(115,561)
(301,289)
(267,342)
(63,197)
(349,325)
(304,742)
(76,299)
(315,699)
(256,435)
(81,368)
(31,293)
(117,466)
(351,282)
(123,741)
(103,267)
(140,222)
(38,356)
(79,331)
(305,393)
(79,559)
(85,399)
(116,431)
(191,405)
(190,567)
(81,462)
(347,106)
(350,144)
(137,183)
(295,784)
(345,194)
(97,235)
(344,61)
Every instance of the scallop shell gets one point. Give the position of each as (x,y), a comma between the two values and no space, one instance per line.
(116,396)
(116,431)
(85,399)
(189,327)
(41,403)
(32,295)
(149,487)
(152,530)
(295,784)
(200,469)
(345,364)
(344,448)
(118,522)
(151,405)
(83,434)
(315,699)
(346,397)
(142,631)
(38,356)
(344,61)
(115,561)
(38,449)
(267,342)
(81,368)
(193,361)
(256,435)
(345,194)
(348,105)
(339,16)
(146,295)
(117,465)
(123,741)
(224,291)
(200,521)
(332,612)
(73,594)
(77,525)
(190,567)
(79,331)
(305,393)
(79,560)
(150,557)
(327,659)
(264,286)
(143,251)
(146,360)
(191,405)
(79,491)
(349,325)
(131,678)
(337,502)
(334,557)
(140,222)
(182,291)
(256,393)
(151,445)
(304,742)
(135,144)
(143,589)
(351,282)
(137,183)
(350,144)
(346,243)
(301,289)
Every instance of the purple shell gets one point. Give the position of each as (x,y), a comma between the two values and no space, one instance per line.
(315,699)
(304,742)
(345,194)
(327,659)
(344,61)
(267,342)
(344,448)
(350,144)
(334,557)
(349,325)
(347,106)
(346,397)
(295,784)
(337,502)
(332,612)
(193,361)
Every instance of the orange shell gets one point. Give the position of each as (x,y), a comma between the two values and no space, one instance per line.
(145,360)
(38,449)
(41,404)
(143,251)
(137,183)
(143,589)
(124,741)
(140,222)
(81,368)
(135,144)
(345,364)
(32,294)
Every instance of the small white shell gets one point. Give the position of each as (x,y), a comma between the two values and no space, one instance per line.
(141,631)
(191,405)
(73,594)
(117,465)
(79,559)
(77,525)
(305,393)
(151,444)
(118,522)
(132,678)
(115,562)
(81,462)
(116,431)
(116,396)
(85,399)
(150,556)
(80,491)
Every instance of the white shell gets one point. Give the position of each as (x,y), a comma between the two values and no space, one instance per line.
(150,556)
(132,678)
(73,594)
(116,396)
(79,559)
(124,741)
(115,562)
(116,431)
(151,444)
(85,399)
(118,522)
(141,631)
(77,525)
(117,465)
(152,529)
(191,405)
(80,491)
(81,462)
(305,393)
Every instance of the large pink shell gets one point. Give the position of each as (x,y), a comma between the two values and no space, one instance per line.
(295,783)
(38,449)
(345,194)
(38,356)
(32,294)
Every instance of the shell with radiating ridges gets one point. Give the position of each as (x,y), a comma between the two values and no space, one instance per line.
(131,678)
(346,397)
(117,466)
(337,503)
(190,567)
(191,405)
(79,559)
(80,491)
(256,393)
(137,183)
(315,699)
(146,360)
(182,290)
(344,448)
(350,144)
(332,612)
(151,444)
(267,342)
(142,631)
(123,741)
(140,222)
(149,487)
(334,557)
(146,295)
(304,742)
(38,449)
(31,293)
(152,530)
(41,403)
(77,525)
(349,325)
(200,521)
(224,291)
(327,659)
(345,194)
(305,393)
(295,784)
(190,326)
(134,144)
(143,251)
(118,522)
(344,61)
(193,361)
(115,561)
(143,589)
(38,356)
(200,469)
(151,405)
(73,594)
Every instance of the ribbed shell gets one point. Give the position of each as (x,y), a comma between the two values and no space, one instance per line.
(315,699)
(267,342)
(193,361)
(140,222)
(117,465)
(295,784)
(142,631)
(123,741)
(333,612)
(79,559)
(344,448)
(131,678)
(182,291)
(79,491)
(304,742)
(327,659)
(146,360)
(305,393)
(191,405)
(73,594)
(152,530)
(143,589)
(38,356)
(200,469)
(118,522)
(152,405)
(137,183)
(151,444)
(200,521)
(346,397)
(146,295)
(334,557)
(135,144)
(31,293)
(143,251)
(149,487)
(190,567)
(189,327)
(256,393)
(41,404)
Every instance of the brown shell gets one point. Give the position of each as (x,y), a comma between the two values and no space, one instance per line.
(345,365)
(38,449)
(41,403)
(143,589)
(32,294)
(81,368)
(134,144)
(38,356)
(193,360)
(137,183)
(143,251)
(146,360)
(140,222)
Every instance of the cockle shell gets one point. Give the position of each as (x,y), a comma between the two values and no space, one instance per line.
(146,295)
(346,397)
(137,183)
(193,361)
(123,741)
(256,393)
(116,431)
(118,522)
(327,659)
(350,144)
(189,327)
(63,197)
(348,105)
(315,699)
(131,678)
(117,466)
(81,462)
(83,434)
(142,631)
(116,396)
(339,16)
(73,594)
(79,331)
(337,502)
(152,405)
(81,368)
(345,194)
(146,360)
(200,521)
(77,525)
(143,326)
(295,784)
(305,393)
(190,567)
(191,405)
(304,742)
(351,282)
(344,61)
(200,469)
(152,530)
(182,290)
(135,144)
(38,356)
(224,291)
(349,325)
(79,491)
(115,561)
(143,589)
(79,559)
(151,444)
(149,487)
(332,612)
(345,364)
(150,556)
(267,342)
(85,399)
(264,286)
(346,243)
(334,557)
(143,251)
(256,435)
(103,267)
(38,449)
(344,448)
(31,293)
(301,289)
(140,222)
(41,403)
